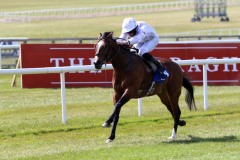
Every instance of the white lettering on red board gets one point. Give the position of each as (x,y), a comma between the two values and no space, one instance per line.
(210,68)
(73,62)
(193,68)
(57,61)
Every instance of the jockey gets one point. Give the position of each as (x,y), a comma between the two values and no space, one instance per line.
(144,38)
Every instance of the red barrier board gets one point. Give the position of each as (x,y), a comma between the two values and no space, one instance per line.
(55,55)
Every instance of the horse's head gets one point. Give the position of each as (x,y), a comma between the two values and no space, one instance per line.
(105,49)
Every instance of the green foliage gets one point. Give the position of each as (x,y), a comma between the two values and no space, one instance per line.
(31,127)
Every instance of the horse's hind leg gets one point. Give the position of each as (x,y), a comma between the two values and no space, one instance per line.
(171,102)
(176,113)
(165,100)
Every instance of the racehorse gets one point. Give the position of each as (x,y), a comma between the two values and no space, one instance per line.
(132,78)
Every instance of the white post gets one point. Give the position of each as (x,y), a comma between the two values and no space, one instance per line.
(139,106)
(63,96)
(205,89)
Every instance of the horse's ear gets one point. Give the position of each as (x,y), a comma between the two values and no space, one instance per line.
(100,35)
(110,35)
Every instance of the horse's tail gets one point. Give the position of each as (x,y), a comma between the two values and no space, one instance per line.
(189,97)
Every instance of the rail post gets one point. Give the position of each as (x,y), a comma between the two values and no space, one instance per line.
(205,88)
(63,96)
(140,106)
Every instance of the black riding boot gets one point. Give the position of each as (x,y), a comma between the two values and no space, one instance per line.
(149,57)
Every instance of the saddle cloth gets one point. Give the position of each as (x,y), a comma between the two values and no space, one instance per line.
(159,77)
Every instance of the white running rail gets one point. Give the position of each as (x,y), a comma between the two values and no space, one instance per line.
(66,13)
(63,70)
(230,31)
(26,16)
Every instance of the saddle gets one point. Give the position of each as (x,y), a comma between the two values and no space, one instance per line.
(158,76)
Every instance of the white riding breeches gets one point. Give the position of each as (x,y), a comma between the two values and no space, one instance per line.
(146,47)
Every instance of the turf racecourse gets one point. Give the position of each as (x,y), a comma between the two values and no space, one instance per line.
(163,22)
(31,127)
(30,119)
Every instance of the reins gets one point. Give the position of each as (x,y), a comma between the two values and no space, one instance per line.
(107,59)
(115,54)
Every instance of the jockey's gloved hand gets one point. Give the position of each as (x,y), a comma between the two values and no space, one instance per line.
(122,42)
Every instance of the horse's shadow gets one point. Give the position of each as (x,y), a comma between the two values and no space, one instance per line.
(195,139)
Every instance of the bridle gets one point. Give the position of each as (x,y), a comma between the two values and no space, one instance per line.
(108,57)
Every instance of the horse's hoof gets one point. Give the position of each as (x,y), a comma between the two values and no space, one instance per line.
(182,123)
(109,141)
(171,138)
(106,125)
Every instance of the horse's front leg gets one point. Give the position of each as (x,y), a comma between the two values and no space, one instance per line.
(115,116)
(116,98)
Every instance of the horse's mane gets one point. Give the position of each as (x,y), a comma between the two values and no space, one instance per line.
(110,35)
(106,34)
(127,50)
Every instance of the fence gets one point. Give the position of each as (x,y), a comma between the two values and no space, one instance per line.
(26,16)
(63,70)
(165,37)
(211,32)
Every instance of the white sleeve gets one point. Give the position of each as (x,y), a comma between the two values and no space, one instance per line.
(137,38)
(123,35)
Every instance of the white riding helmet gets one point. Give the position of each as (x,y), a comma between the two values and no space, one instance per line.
(128,24)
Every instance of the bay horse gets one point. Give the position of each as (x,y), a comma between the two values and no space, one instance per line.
(132,79)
